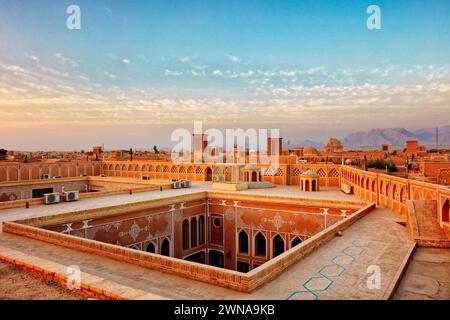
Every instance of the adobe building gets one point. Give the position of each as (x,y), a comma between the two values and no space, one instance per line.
(199,145)
(274,146)
(333,146)
(413,149)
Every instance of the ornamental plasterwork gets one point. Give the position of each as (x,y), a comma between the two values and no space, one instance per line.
(90,233)
(344,213)
(86,223)
(69,227)
(134,231)
(178,216)
(229,214)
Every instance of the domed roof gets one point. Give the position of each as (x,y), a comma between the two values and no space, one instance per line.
(310,151)
(309,173)
(333,145)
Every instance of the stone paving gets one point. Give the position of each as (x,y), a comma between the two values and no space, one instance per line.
(336,270)
(427,276)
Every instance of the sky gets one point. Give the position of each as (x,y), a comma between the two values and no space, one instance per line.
(137,70)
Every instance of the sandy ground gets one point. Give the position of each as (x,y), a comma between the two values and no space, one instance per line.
(16,284)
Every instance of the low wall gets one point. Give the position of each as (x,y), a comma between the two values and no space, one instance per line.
(394,192)
(112,186)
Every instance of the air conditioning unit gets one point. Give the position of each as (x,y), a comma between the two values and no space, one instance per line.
(71,196)
(186,184)
(50,198)
(145,178)
(176,185)
(45,176)
(57,177)
(103,175)
(83,175)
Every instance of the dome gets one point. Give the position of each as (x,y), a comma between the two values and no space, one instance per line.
(310,151)
(333,145)
(252,167)
(309,173)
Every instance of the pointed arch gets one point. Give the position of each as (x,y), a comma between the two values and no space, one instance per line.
(165,247)
(185,234)
(201,230)
(260,244)
(278,245)
(194,228)
(243,242)
(296,241)
(151,248)
(446,211)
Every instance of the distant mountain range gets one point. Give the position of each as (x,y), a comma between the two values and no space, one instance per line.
(396,137)
(393,137)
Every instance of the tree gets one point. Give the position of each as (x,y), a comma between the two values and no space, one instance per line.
(155,150)
(3,153)
(382,164)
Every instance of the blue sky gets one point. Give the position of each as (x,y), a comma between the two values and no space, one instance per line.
(310,68)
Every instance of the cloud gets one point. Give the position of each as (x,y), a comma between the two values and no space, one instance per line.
(168,72)
(66,61)
(126,61)
(233,58)
(111,76)
(111,55)
(185,59)
(142,57)
(32,94)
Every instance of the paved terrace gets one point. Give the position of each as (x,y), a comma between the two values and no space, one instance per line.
(100,202)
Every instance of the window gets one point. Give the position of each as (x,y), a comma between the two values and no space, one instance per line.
(260,244)
(217,222)
(296,241)
(278,245)
(193,232)
(185,234)
(39,193)
(216,258)
(201,230)
(165,247)
(243,267)
(243,242)
(151,248)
